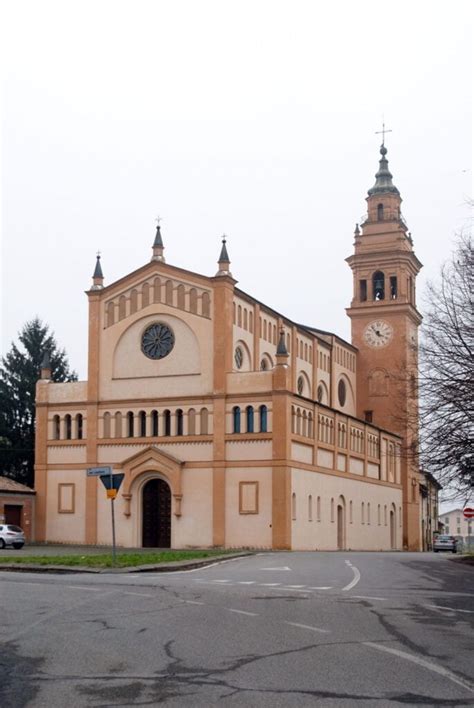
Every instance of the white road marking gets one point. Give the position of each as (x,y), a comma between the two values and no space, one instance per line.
(307,626)
(78,587)
(451,609)
(356,578)
(295,586)
(246,582)
(138,594)
(285,567)
(366,597)
(269,585)
(242,612)
(422,662)
(321,587)
(193,602)
(221,581)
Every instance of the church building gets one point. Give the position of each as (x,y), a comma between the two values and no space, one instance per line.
(233,425)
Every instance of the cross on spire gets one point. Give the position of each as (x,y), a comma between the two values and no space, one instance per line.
(158,219)
(383,131)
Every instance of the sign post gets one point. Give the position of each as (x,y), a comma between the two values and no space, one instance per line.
(112,484)
(468,514)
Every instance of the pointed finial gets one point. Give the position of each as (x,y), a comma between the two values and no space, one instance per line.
(45,372)
(224,260)
(158,247)
(281,348)
(383,178)
(357,230)
(97,276)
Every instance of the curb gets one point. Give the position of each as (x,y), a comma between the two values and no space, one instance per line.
(157,568)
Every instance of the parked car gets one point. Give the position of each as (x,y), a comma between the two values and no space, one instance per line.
(11,536)
(445,543)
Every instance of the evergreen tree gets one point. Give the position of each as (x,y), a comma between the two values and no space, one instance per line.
(19,372)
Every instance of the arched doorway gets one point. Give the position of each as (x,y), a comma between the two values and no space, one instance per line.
(341,523)
(393,529)
(156,514)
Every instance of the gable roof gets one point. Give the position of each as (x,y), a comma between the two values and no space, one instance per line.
(10,485)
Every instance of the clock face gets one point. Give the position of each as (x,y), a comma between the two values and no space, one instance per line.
(157,341)
(378,333)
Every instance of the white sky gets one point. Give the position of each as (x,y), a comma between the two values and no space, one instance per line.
(256,119)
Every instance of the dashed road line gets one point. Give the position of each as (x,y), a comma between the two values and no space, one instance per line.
(366,597)
(269,585)
(194,602)
(422,662)
(307,626)
(321,587)
(79,587)
(356,578)
(246,582)
(138,594)
(221,581)
(295,587)
(451,609)
(242,612)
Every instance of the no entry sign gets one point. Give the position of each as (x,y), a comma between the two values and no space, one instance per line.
(468,512)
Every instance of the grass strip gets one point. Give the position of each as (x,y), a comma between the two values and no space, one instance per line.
(124,560)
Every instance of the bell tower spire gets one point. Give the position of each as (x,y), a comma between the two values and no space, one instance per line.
(385,321)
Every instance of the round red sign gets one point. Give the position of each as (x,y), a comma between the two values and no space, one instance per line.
(468,513)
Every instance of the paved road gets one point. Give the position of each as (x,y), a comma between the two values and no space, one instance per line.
(277,629)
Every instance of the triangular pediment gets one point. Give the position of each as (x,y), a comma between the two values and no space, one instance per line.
(154,455)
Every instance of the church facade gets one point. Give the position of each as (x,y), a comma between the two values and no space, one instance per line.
(233,425)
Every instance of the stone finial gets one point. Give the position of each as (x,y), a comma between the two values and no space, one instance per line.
(97,276)
(281,348)
(45,366)
(158,247)
(224,260)
(357,230)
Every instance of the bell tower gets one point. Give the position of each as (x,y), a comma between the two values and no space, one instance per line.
(385,323)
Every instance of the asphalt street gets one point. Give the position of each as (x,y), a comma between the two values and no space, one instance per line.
(275,629)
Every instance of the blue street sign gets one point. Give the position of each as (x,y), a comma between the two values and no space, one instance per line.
(97,471)
(112,481)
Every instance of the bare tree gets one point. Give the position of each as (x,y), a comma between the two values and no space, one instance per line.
(446,373)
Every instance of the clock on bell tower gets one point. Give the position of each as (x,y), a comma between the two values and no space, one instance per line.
(384,329)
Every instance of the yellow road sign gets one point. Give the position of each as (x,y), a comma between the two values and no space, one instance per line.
(111,493)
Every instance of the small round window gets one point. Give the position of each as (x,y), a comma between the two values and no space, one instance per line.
(300,385)
(341,392)
(238,357)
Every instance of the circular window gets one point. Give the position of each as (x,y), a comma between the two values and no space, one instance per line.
(264,365)
(238,357)
(320,393)
(157,341)
(341,392)
(300,385)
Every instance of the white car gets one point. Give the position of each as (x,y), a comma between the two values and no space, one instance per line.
(11,536)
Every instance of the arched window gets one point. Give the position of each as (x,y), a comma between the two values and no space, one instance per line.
(107,425)
(341,392)
(122,307)
(167,422)
(263,419)
(239,316)
(130,424)
(142,419)
(236,419)
(310,425)
(245,318)
(379,212)
(133,302)
(206,305)
(368,513)
(179,422)
(300,385)
(304,430)
(157,290)
(79,426)
(169,292)
(318,509)
(249,417)
(193,300)
(378,285)
(293,506)
(191,422)
(118,424)
(332,510)
(298,421)
(350,513)
(67,427)
(56,427)
(154,423)
(310,508)
(378,514)
(204,415)
(385,514)
(251,322)
(145,295)
(110,313)
(362,513)
(181,296)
